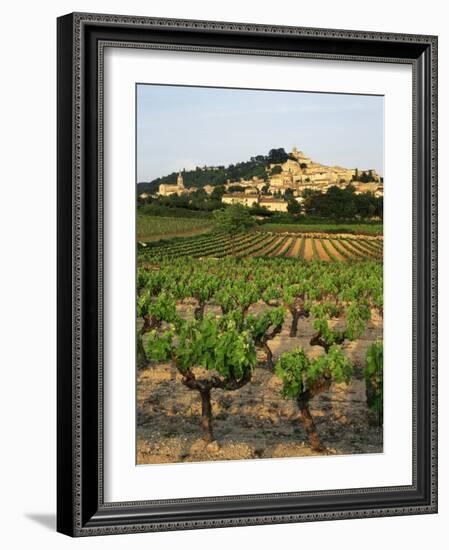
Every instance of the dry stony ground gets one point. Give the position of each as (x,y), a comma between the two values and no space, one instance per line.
(255,421)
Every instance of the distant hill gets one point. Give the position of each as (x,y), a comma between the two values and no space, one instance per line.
(147,187)
(208,176)
(218,175)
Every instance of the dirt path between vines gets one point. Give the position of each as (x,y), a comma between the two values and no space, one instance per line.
(322,255)
(281,250)
(308,250)
(269,245)
(334,251)
(293,253)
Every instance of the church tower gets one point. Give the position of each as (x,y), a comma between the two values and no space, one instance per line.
(180,181)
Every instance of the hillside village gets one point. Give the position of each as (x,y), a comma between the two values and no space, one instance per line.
(296,174)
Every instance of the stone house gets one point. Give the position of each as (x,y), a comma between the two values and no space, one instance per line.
(240,198)
(273,204)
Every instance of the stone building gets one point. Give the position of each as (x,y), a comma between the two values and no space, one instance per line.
(208,189)
(254,182)
(379,192)
(167,189)
(299,172)
(270,203)
(273,204)
(370,187)
(240,198)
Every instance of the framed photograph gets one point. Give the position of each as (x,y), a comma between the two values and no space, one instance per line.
(247,278)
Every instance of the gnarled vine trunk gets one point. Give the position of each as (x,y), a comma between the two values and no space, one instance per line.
(149,323)
(318,340)
(303,401)
(204,387)
(206,415)
(199,310)
(268,353)
(309,425)
(263,342)
(294,326)
(141,356)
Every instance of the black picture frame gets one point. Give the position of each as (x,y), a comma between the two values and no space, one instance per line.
(81,510)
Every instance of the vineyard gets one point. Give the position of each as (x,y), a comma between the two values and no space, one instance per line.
(151,228)
(370,229)
(245,349)
(307,246)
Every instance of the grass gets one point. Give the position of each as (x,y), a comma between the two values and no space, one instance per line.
(172,212)
(352,228)
(153,228)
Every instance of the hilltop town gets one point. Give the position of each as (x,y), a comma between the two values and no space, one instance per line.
(293,175)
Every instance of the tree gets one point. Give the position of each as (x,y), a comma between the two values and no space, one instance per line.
(236,189)
(277,156)
(259,159)
(312,201)
(356,314)
(366,205)
(209,353)
(294,207)
(202,288)
(217,193)
(153,311)
(335,299)
(335,203)
(199,194)
(257,210)
(296,298)
(308,192)
(233,220)
(259,327)
(304,378)
(374,380)
(276,170)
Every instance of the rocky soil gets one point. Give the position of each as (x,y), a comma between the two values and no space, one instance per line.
(255,421)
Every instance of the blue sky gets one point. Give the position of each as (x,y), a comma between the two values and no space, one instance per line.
(184,127)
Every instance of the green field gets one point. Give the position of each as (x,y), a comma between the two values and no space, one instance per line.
(354,228)
(153,228)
